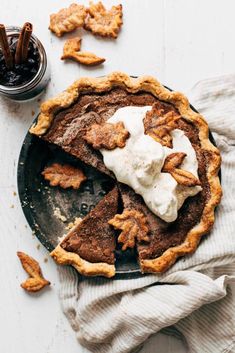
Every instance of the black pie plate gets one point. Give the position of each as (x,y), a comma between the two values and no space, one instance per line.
(43,205)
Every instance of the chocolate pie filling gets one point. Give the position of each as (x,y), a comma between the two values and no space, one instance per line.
(68,129)
(70,125)
(94,239)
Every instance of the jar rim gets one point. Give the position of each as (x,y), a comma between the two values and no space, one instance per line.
(15,30)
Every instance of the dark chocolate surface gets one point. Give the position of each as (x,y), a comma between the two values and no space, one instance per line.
(94,239)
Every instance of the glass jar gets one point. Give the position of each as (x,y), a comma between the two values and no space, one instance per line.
(38,82)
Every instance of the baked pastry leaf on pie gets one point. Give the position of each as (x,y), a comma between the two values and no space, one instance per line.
(67,119)
(90,245)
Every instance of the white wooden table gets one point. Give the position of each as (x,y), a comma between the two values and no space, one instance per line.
(178,41)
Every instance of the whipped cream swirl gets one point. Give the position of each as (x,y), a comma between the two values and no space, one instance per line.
(139,164)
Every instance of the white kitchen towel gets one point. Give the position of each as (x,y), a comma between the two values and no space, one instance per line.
(116,316)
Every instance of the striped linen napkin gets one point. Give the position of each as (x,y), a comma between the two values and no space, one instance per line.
(195,295)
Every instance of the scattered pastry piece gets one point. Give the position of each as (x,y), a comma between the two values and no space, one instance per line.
(108,136)
(68,19)
(171,164)
(133,225)
(36,281)
(73,224)
(158,125)
(72,51)
(65,176)
(106,23)
(57,213)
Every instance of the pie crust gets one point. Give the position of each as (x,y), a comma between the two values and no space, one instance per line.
(151,85)
(84,267)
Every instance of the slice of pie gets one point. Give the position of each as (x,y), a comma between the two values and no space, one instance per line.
(156,147)
(90,245)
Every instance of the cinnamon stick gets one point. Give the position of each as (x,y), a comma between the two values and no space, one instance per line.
(23,43)
(5,47)
(18,53)
(26,40)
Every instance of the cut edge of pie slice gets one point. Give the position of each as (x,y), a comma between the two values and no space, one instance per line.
(86,232)
(150,85)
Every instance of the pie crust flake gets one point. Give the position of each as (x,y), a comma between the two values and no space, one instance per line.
(178,102)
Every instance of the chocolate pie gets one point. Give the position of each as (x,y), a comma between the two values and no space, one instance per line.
(90,245)
(157,149)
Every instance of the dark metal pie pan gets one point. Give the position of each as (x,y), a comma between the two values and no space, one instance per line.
(42,204)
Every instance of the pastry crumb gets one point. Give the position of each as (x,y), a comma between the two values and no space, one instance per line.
(38,246)
(74,223)
(61,238)
(14,193)
(57,213)
(70,226)
(12,206)
(32,112)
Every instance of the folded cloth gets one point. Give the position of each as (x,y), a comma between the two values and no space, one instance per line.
(116,316)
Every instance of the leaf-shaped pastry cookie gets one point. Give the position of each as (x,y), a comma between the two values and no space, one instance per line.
(105,23)
(173,161)
(70,46)
(108,136)
(65,176)
(184,177)
(159,124)
(36,281)
(162,135)
(68,19)
(72,51)
(133,225)
(87,58)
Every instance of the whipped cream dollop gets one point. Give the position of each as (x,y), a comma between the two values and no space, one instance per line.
(139,164)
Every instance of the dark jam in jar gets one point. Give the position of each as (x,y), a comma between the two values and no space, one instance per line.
(30,77)
(20,73)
